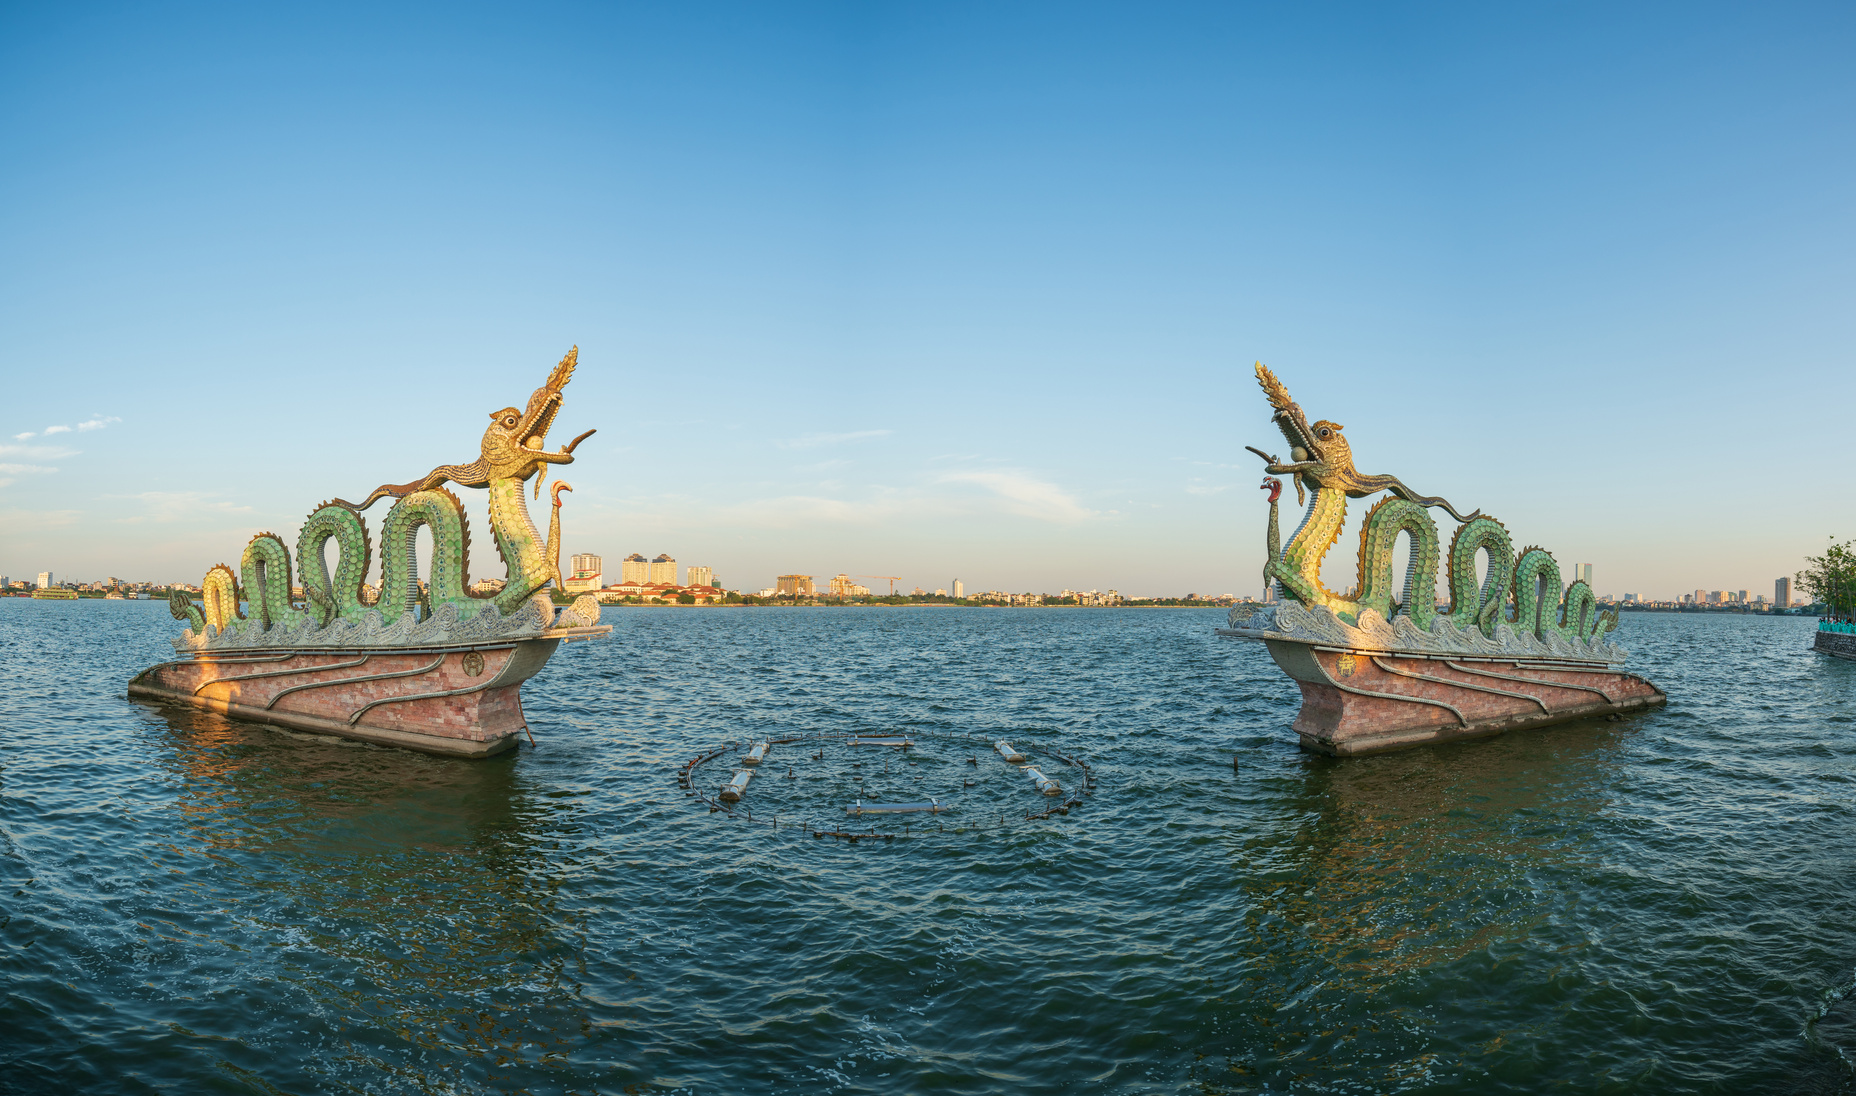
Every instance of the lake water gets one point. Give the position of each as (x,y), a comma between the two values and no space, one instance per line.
(1663,904)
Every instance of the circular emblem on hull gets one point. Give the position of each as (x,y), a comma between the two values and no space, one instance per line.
(473,663)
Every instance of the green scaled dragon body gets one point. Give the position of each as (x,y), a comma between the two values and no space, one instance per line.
(1525,594)
(511,453)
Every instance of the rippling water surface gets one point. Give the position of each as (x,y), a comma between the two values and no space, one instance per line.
(1665,904)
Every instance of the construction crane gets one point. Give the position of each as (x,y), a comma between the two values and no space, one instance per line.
(892,581)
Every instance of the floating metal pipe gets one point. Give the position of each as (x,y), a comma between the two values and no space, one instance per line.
(933,806)
(757,754)
(733,790)
(1045,784)
(1006,751)
(892,740)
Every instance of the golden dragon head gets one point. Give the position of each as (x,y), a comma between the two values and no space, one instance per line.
(1321,442)
(1325,458)
(512,444)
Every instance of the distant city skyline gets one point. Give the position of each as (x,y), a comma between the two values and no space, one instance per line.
(969,291)
(637,569)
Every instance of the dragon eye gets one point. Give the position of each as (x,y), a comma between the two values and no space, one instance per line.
(1324,431)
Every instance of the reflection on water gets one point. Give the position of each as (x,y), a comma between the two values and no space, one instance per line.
(410,893)
(1378,874)
(1660,905)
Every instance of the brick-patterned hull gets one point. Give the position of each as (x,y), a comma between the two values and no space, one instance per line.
(1360,702)
(460,701)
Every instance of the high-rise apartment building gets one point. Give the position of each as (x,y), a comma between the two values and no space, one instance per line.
(664,569)
(634,568)
(701,576)
(844,586)
(1782,592)
(1582,572)
(959,590)
(584,576)
(793,586)
(45,580)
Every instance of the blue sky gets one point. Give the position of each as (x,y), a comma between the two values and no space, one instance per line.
(932,291)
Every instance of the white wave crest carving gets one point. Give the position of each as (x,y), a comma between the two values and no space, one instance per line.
(1293,621)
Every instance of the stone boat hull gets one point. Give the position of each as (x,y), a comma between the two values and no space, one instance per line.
(458,700)
(1359,701)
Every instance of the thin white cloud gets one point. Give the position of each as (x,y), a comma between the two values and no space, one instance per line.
(798,511)
(813,441)
(1026,495)
(10,473)
(22,521)
(37,452)
(944,498)
(94,422)
(171,506)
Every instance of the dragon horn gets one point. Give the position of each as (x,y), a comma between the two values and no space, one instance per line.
(1272,388)
(564,372)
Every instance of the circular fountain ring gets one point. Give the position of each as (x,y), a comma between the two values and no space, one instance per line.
(806,782)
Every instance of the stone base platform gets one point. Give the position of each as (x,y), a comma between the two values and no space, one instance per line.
(1361,702)
(460,700)
(1835,644)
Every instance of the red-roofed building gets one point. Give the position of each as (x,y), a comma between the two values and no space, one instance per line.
(661,591)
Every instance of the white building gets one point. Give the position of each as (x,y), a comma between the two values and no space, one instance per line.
(664,570)
(584,578)
(842,586)
(634,568)
(45,580)
(959,590)
(701,576)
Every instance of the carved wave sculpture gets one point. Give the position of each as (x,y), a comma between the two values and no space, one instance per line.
(1298,623)
(1381,667)
(431,665)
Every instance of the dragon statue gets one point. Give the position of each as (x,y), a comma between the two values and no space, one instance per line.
(1524,595)
(337,607)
